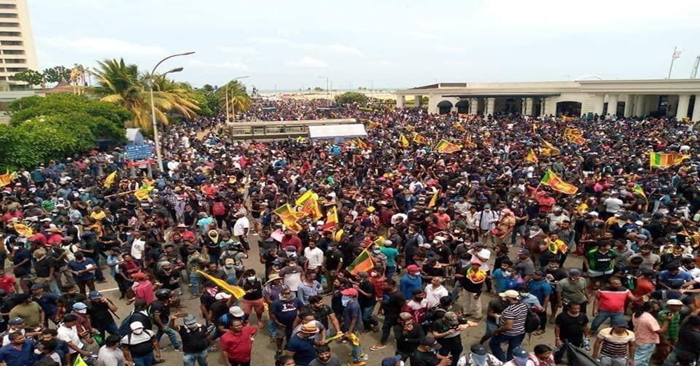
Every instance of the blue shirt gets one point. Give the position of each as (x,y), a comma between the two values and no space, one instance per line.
(676,281)
(79,266)
(352,310)
(14,357)
(391,254)
(303,348)
(286,311)
(500,280)
(540,289)
(409,284)
(48,303)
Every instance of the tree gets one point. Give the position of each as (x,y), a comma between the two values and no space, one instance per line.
(318,89)
(27,108)
(351,97)
(31,77)
(57,74)
(119,83)
(238,99)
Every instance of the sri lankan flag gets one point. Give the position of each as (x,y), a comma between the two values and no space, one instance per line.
(371,124)
(550,149)
(420,139)
(404,141)
(331,218)
(361,144)
(663,160)
(476,277)
(23,230)
(288,217)
(531,157)
(363,263)
(447,147)
(640,191)
(552,180)
(110,179)
(143,192)
(458,126)
(7,178)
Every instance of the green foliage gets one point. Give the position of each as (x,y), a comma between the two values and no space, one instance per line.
(208,101)
(351,97)
(58,125)
(57,74)
(318,89)
(31,77)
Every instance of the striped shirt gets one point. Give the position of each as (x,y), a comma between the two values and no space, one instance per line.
(615,345)
(517,313)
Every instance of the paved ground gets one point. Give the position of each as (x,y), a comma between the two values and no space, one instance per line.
(264,351)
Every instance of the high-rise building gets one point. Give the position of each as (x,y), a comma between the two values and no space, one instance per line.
(16,41)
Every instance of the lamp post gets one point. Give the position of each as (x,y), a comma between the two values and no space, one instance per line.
(153,106)
(234,107)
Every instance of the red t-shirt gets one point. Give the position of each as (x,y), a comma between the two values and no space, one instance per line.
(7,283)
(291,241)
(55,238)
(144,290)
(644,287)
(38,237)
(239,346)
(9,216)
(613,301)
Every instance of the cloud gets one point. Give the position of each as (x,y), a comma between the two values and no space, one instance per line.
(449,49)
(240,51)
(307,63)
(346,50)
(221,65)
(102,46)
(422,35)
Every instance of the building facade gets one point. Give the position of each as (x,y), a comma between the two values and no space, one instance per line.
(679,98)
(16,41)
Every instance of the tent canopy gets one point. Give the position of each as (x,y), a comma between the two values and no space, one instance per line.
(134,136)
(337,132)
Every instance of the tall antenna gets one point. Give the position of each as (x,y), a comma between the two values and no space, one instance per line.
(694,71)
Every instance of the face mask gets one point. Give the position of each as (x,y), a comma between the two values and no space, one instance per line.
(84,311)
(251,279)
(479,359)
(192,326)
(345,300)
(464,263)
(37,352)
(138,331)
(521,361)
(376,251)
(229,266)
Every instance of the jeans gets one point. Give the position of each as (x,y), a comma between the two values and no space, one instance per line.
(144,361)
(602,317)
(172,334)
(643,353)
(53,287)
(513,343)
(386,329)
(356,352)
(195,280)
(455,351)
(613,361)
(111,328)
(271,328)
(367,318)
(390,271)
(189,359)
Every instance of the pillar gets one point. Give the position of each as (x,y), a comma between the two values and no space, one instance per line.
(473,106)
(400,100)
(529,106)
(696,109)
(629,100)
(612,104)
(639,103)
(417,101)
(542,107)
(683,104)
(490,103)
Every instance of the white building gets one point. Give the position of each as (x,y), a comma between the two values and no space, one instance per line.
(678,98)
(16,40)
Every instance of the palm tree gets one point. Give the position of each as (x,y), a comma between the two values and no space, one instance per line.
(238,98)
(120,83)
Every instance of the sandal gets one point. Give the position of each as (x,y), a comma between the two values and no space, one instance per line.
(376,348)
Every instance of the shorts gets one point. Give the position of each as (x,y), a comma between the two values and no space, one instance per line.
(600,275)
(250,305)
(280,331)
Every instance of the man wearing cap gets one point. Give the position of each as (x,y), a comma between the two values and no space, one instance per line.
(47,301)
(410,281)
(447,331)
(426,354)
(301,345)
(615,345)
(140,345)
(511,326)
(478,356)
(143,288)
(352,323)
(195,339)
(100,311)
(521,357)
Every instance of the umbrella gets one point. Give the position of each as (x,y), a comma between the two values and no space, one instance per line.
(579,357)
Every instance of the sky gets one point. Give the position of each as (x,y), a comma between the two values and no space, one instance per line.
(384,44)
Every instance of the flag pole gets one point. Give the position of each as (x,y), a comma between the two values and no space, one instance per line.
(673,58)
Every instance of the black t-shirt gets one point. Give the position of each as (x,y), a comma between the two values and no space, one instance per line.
(69,300)
(322,314)
(99,314)
(688,340)
(218,308)
(393,303)
(161,307)
(256,294)
(419,358)
(165,279)
(43,267)
(193,340)
(207,300)
(333,258)
(570,327)
(366,301)
(497,306)
(440,326)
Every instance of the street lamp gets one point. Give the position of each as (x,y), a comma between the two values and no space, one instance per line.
(153,106)
(328,96)
(227,85)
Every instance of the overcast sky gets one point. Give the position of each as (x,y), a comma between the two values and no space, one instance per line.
(395,44)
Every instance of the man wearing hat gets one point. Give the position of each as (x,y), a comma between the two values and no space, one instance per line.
(426,354)
(140,345)
(478,356)
(47,301)
(511,326)
(521,357)
(100,311)
(301,345)
(195,339)
(352,323)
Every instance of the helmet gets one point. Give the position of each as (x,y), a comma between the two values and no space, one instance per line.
(163,294)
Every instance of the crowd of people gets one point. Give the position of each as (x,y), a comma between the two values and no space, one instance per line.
(414,244)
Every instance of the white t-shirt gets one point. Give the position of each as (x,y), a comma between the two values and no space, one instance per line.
(483,253)
(612,205)
(434,295)
(315,257)
(110,357)
(69,335)
(239,227)
(137,247)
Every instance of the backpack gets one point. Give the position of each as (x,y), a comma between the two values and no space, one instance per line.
(218,209)
(532,321)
